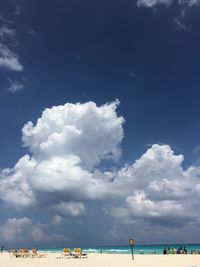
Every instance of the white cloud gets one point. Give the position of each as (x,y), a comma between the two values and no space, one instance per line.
(167,3)
(68,209)
(89,132)
(56,219)
(15,86)
(24,230)
(67,143)
(17,9)
(9,59)
(179,23)
(158,189)
(152,3)
(182,8)
(15,186)
(7,32)
(63,175)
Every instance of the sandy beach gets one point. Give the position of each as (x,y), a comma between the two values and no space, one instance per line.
(106,260)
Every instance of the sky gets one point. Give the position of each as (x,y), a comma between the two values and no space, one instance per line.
(99,119)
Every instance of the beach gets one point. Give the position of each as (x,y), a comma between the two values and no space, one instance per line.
(105,260)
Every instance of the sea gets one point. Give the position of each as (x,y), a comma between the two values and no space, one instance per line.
(138,249)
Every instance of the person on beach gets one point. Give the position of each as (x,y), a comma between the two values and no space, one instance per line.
(180,249)
(2,248)
(165,251)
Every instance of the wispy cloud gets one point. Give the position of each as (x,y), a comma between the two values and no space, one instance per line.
(29,30)
(167,3)
(9,59)
(6,32)
(132,75)
(2,19)
(179,20)
(183,6)
(180,24)
(15,86)
(17,8)
(153,3)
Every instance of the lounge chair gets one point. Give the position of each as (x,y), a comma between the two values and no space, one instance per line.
(66,253)
(13,253)
(78,253)
(24,253)
(38,255)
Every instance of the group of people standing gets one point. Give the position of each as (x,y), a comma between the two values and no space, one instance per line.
(180,250)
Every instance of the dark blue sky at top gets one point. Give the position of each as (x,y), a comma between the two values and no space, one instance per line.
(100,51)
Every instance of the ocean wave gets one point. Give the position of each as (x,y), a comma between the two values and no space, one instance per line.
(117,250)
(91,250)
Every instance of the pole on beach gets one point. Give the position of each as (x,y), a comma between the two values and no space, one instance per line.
(131,242)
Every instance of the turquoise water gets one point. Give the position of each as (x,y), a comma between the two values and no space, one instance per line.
(148,249)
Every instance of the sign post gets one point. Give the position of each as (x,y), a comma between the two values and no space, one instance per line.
(131,242)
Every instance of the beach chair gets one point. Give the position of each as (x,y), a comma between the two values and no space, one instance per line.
(66,253)
(78,253)
(12,253)
(24,253)
(35,254)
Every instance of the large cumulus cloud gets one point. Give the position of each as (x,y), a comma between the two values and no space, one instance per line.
(62,174)
(157,189)
(66,145)
(92,133)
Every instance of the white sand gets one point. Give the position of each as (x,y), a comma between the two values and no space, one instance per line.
(103,260)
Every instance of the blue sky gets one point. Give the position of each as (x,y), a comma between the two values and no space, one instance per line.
(130,70)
